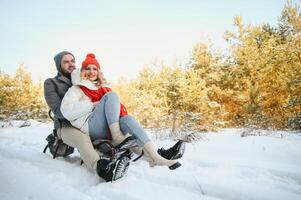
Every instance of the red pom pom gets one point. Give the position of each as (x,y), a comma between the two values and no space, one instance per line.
(90,55)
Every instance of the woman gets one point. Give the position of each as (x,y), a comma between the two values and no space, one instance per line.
(91,106)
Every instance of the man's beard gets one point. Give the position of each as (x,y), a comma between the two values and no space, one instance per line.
(67,74)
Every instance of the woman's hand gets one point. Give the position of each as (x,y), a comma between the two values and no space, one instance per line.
(95,103)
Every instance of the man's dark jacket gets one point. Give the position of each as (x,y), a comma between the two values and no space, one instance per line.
(54,91)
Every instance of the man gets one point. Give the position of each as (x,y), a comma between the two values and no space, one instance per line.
(54,91)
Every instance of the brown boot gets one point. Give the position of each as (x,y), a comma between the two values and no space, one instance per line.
(156,159)
(117,135)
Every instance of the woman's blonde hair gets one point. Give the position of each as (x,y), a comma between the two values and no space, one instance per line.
(98,82)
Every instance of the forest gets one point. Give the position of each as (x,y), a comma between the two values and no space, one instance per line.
(255,83)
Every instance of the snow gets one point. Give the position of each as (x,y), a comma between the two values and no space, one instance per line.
(221,166)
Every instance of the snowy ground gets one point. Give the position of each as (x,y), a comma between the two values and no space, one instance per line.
(222,166)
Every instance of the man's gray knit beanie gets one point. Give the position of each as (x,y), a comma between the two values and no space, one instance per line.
(58,58)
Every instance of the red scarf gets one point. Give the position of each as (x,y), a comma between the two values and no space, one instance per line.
(96,95)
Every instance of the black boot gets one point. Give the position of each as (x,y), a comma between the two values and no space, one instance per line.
(105,169)
(175,152)
(111,170)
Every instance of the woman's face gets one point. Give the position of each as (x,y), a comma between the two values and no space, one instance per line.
(91,72)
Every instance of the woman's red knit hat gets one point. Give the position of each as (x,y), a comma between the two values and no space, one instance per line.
(90,59)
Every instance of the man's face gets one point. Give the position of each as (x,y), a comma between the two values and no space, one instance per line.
(67,64)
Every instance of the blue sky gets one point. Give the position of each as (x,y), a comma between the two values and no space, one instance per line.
(124,35)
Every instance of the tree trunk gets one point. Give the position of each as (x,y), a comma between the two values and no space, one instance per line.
(174,118)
